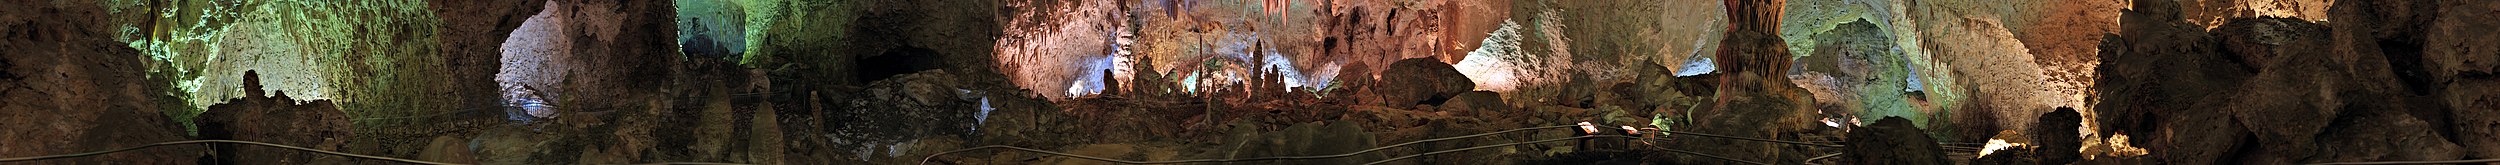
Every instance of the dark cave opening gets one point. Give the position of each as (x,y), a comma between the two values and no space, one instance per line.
(897,61)
(2406,57)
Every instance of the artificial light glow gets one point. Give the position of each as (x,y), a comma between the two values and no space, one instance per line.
(1697,66)
(2113,146)
(1995,145)
(1487,65)
(1585,127)
(1077,88)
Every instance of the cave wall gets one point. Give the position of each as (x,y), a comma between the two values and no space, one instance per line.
(2269,81)
(1047,45)
(69,87)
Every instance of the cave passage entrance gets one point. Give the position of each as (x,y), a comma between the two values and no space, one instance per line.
(532,66)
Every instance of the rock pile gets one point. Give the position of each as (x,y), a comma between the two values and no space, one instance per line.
(2286,91)
(273,118)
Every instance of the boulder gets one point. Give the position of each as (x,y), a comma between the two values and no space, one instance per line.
(2260,97)
(1420,81)
(2056,138)
(1351,82)
(2163,81)
(1477,103)
(1892,140)
(2383,136)
(2283,105)
(2477,111)
(2459,54)
(2195,136)
(2158,64)
(273,118)
(895,111)
(2257,42)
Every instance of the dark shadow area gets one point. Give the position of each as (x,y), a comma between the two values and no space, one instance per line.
(897,61)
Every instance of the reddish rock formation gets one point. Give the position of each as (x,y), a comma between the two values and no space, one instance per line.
(1755,97)
(1477,103)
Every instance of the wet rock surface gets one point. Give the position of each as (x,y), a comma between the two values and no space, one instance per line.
(273,118)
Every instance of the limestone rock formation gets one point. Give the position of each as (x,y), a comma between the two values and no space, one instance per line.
(891,112)
(67,87)
(1419,81)
(2378,136)
(625,47)
(2056,137)
(2460,55)
(1866,73)
(473,50)
(1891,140)
(2257,89)
(1355,80)
(274,118)
(2157,65)
(2002,84)
(1754,98)
(2159,81)
(1477,103)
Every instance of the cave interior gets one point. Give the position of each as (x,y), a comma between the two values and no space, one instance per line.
(1249,81)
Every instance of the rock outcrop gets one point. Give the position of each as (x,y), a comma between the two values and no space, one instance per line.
(1755,97)
(2056,137)
(273,118)
(2461,56)
(2159,79)
(1419,81)
(2255,90)
(1867,74)
(472,47)
(891,113)
(67,87)
(1891,140)
(1477,103)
